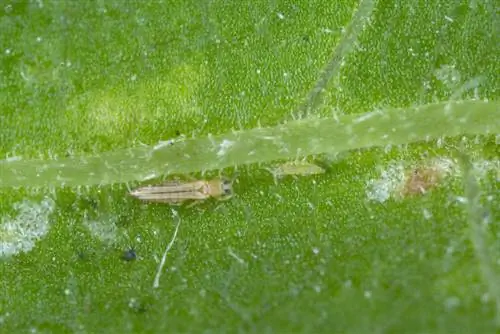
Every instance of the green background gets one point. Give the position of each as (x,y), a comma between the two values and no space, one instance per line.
(301,254)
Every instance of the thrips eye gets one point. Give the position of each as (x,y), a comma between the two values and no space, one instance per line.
(226,187)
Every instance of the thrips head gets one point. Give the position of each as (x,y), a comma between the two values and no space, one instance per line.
(227,188)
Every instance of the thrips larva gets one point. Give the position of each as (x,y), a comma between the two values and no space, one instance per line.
(177,192)
(296,168)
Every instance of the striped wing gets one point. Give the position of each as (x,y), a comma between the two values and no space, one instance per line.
(171,192)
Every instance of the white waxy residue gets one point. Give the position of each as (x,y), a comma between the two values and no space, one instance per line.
(20,232)
(381,189)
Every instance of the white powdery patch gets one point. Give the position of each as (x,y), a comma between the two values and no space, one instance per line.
(390,180)
(400,179)
(483,167)
(20,233)
(104,228)
(445,165)
(448,75)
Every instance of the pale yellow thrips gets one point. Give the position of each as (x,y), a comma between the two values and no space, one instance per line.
(178,192)
(296,168)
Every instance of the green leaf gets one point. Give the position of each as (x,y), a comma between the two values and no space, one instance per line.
(400,234)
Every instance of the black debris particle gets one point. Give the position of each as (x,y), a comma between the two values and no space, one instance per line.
(129,255)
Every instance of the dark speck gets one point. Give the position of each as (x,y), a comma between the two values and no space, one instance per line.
(138,307)
(81,256)
(129,255)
